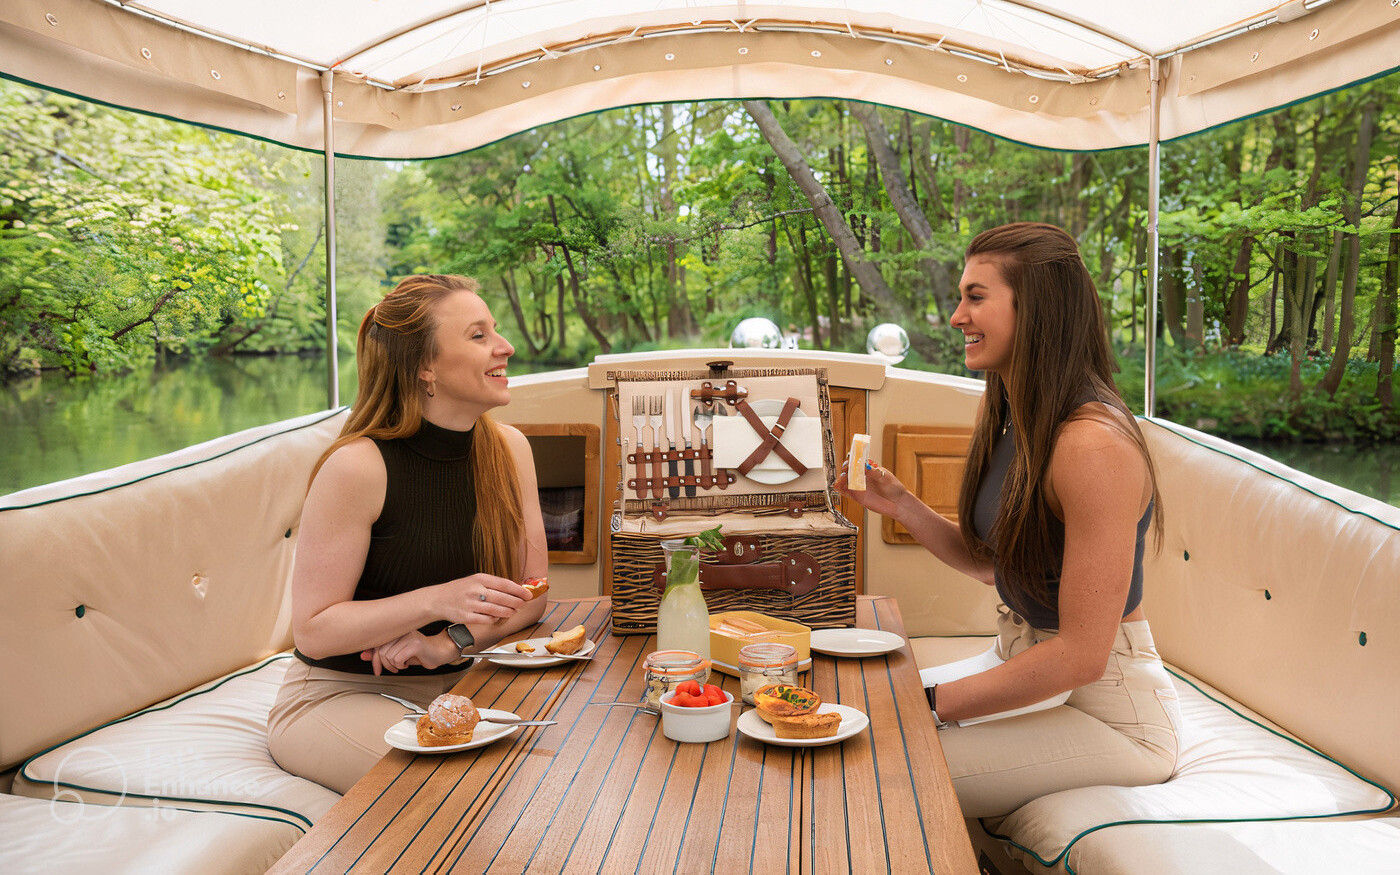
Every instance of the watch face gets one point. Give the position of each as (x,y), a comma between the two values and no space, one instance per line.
(460,635)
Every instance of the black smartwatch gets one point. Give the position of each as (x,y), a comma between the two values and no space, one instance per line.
(461,636)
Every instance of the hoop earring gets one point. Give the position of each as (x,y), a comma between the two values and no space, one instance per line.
(429,390)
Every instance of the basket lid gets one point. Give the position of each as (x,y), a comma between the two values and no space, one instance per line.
(790,404)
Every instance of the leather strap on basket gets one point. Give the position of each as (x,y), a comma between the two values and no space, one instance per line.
(771,437)
(795,573)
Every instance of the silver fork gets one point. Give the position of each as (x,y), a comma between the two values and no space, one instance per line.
(639,422)
(703,418)
(656,407)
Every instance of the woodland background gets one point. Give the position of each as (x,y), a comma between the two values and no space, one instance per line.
(128,242)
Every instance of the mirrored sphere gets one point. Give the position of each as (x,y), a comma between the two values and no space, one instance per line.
(756,332)
(888,341)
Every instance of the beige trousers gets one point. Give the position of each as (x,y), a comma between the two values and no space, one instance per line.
(328,726)
(1120,730)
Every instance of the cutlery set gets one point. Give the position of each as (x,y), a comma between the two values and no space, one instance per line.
(676,427)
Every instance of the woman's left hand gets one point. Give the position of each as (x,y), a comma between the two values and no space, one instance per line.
(412,648)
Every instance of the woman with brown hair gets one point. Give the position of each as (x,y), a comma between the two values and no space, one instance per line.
(420,522)
(1057,497)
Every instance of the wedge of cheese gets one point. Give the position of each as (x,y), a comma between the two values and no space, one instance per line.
(855,462)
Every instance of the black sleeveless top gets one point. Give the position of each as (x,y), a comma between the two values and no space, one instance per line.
(423,535)
(984,514)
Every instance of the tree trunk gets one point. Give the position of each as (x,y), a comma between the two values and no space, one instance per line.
(1329,291)
(897,186)
(1386,313)
(1361,163)
(802,255)
(1078,205)
(1237,307)
(679,320)
(574,287)
(1173,302)
(872,284)
(1196,310)
(521,320)
(1287,292)
(961,139)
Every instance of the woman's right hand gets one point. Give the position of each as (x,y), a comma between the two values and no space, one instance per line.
(480,598)
(883,491)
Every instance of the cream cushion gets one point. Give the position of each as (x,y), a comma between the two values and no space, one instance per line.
(1294,847)
(1233,766)
(56,837)
(1281,590)
(205,748)
(125,587)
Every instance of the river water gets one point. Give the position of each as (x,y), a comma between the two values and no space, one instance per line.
(56,428)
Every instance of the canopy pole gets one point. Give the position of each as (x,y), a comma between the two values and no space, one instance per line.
(1154,183)
(332,365)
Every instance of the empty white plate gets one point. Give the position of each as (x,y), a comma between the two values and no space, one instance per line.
(855,642)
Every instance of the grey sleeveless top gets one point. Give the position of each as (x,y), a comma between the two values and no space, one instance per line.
(984,514)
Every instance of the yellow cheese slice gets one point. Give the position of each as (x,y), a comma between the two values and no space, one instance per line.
(855,462)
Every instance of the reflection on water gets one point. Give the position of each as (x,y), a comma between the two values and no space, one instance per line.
(56,428)
(1372,470)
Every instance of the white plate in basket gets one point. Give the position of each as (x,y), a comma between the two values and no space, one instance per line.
(768,410)
(404,734)
(855,642)
(853,722)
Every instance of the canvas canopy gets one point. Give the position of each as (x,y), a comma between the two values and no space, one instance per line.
(423,78)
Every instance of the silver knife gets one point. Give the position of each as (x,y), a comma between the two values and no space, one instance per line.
(672,466)
(682,425)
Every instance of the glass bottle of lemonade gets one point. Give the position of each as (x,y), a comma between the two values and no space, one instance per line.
(683,620)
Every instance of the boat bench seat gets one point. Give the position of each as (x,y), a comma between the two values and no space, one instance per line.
(1246,797)
(67,835)
(152,602)
(205,749)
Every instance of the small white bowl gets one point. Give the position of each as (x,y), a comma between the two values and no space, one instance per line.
(680,723)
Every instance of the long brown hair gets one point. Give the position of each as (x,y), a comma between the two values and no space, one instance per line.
(396,341)
(1059,358)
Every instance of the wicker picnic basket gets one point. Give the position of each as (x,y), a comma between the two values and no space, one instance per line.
(789,552)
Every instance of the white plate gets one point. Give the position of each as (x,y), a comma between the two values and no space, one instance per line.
(855,642)
(853,721)
(506,655)
(768,410)
(404,734)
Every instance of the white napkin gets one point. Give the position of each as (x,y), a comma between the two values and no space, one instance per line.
(735,439)
(988,659)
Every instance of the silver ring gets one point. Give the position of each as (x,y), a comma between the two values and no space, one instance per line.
(482,597)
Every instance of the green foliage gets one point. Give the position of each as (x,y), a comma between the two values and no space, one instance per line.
(1244,395)
(124,239)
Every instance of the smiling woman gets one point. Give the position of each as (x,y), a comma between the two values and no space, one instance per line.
(420,520)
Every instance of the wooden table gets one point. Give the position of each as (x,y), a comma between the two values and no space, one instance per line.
(605,791)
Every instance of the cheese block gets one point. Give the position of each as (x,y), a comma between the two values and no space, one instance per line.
(855,462)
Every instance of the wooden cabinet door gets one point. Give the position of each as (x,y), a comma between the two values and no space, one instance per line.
(930,461)
(848,417)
